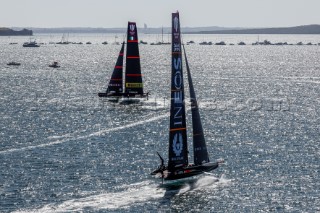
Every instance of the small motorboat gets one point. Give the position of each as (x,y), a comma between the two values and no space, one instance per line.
(190,42)
(220,43)
(31,44)
(205,43)
(12,63)
(54,65)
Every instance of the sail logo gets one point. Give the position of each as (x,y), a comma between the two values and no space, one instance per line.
(176,48)
(177,144)
(132,27)
(132,31)
(176,24)
(176,29)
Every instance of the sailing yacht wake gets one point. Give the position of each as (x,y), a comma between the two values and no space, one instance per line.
(205,181)
(70,138)
(133,194)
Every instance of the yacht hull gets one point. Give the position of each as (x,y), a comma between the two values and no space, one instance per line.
(189,171)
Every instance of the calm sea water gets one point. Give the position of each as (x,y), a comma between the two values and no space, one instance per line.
(65,150)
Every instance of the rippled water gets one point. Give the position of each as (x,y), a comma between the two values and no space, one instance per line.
(63,149)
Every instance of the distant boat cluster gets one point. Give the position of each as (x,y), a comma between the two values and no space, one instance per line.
(221,43)
(63,42)
(265,42)
(35,44)
(54,64)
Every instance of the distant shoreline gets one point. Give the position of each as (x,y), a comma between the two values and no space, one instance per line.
(305,29)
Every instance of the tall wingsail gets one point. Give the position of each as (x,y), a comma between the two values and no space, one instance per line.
(199,143)
(178,166)
(178,150)
(115,83)
(133,76)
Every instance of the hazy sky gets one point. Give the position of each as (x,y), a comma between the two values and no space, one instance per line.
(116,13)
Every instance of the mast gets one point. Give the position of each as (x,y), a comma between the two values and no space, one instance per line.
(178,150)
(162,34)
(133,76)
(199,143)
(115,83)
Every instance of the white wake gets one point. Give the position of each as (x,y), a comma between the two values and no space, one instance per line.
(94,134)
(138,193)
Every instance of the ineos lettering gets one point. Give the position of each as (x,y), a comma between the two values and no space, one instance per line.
(177,95)
(178,115)
(178,80)
(177,63)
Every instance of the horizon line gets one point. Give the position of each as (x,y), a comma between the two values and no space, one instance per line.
(152,27)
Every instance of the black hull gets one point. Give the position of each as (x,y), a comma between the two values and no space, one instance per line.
(122,95)
(31,45)
(17,64)
(190,171)
(134,95)
(133,98)
(108,95)
(124,98)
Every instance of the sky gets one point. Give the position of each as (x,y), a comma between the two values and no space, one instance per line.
(193,13)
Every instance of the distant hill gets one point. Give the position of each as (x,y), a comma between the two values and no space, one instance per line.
(10,32)
(305,29)
(122,30)
(78,30)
